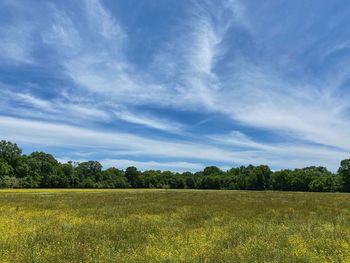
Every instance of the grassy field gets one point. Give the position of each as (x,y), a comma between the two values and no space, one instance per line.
(173,226)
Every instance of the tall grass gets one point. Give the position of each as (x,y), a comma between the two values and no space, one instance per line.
(173,226)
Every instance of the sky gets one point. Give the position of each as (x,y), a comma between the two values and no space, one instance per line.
(177,85)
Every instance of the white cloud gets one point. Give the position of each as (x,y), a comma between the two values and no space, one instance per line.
(29,105)
(149,121)
(102,21)
(266,100)
(16,44)
(118,143)
(284,150)
(143,165)
(29,99)
(254,92)
(50,134)
(62,32)
(94,58)
(152,165)
(198,70)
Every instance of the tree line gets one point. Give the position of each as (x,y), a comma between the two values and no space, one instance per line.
(42,170)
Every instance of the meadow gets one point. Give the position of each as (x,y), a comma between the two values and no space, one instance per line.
(173,226)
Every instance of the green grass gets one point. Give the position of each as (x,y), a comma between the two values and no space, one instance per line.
(173,226)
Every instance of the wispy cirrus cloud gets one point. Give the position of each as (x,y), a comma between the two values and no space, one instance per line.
(145,165)
(254,66)
(118,143)
(257,92)
(152,165)
(16,44)
(149,121)
(29,105)
(52,134)
(292,150)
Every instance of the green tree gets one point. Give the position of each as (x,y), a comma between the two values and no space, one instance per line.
(6,175)
(89,173)
(10,152)
(69,173)
(344,173)
(132,174)
(5,169)
(261,175)
(212,182)
(281,180)
(211,170)
(9,182)
(50,171)
(28,173)
(114,178)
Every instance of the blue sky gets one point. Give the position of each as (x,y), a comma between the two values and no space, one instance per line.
(177,85)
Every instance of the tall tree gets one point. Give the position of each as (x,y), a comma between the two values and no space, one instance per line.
(89,173)
(5,169)
(10,152)
(344,172)
(132,175)
(211,170)
(51,174)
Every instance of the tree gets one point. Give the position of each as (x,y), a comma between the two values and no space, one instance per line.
(189,180)
(132,174)
(212,182)
(211,170)
(114,178)
(344,173)
(5,169)
(89,172)
(40,169)
(9,182)
(6,175)
(69,173)
(323,183)
(10,152)
(28,173)
(261,177)
(51,174)
(281,180)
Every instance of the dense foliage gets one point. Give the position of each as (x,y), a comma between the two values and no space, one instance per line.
(42,170)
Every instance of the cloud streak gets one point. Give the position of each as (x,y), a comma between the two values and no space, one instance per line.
(241,65)
(119,144)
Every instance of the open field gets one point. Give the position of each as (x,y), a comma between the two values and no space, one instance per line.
(173,226)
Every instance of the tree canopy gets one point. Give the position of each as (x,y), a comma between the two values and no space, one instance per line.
(40,169)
